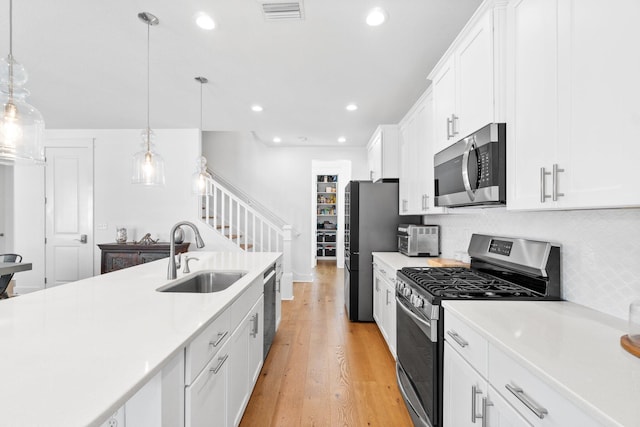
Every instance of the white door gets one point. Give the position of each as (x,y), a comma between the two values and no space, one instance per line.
(69,211)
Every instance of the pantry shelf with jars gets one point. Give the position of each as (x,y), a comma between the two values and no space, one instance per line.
(327,216)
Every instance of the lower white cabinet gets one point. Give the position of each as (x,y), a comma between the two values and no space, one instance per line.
(219,394)
(206,397)
(246,361)
(384,302)
(483,387)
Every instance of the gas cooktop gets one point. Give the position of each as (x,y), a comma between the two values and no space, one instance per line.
(458,282)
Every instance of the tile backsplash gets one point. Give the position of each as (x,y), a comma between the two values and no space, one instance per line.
(600,248)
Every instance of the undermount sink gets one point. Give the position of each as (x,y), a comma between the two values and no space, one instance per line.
(204,282)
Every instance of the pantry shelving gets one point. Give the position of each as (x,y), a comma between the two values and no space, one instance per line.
(327,216)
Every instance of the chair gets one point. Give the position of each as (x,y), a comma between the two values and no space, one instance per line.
(4,280)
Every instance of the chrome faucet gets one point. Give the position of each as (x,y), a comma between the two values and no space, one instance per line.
(172,271)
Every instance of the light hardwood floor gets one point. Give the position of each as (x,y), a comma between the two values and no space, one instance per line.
(323,370)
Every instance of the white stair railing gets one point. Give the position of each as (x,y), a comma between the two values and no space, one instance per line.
(247,228)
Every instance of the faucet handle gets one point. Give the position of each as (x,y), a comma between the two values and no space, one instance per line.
(186,263)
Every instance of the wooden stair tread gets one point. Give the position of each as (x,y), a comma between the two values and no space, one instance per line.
(245,247)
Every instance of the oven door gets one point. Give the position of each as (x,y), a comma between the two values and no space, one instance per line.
(417,364)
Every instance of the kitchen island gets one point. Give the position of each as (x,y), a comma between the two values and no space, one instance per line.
(74,354)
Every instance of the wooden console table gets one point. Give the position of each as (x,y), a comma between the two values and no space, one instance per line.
(116,256)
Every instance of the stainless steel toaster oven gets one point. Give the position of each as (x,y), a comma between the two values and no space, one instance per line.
(419,240)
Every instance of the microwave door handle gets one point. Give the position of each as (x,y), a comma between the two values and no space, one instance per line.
(471,145)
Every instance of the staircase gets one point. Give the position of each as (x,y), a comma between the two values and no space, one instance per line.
(247,224)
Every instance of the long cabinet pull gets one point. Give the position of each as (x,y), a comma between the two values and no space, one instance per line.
(221,361)
(485,404)
(554,176)
(449,123)
(475,390)
(543,187)
(254,319)
(221,336)
(457,338)
(388,292)
(454,119)
(527,401)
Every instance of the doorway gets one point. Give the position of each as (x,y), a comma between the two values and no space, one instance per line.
(68,211)
(327,209)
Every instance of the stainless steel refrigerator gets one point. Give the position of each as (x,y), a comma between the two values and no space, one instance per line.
(371,225)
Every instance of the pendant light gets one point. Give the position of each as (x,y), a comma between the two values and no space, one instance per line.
(200,178)
(21,124)
(148,165)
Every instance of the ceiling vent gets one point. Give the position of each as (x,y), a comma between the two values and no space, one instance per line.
(274,10)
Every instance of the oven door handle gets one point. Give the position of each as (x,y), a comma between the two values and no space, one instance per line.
(471,145)
(426,324)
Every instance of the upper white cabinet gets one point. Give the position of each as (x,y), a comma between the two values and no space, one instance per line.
(572,109)
(382,153)
(416,159)
(468,80)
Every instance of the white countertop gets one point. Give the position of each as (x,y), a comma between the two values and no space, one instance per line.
(573,348)
(72,355)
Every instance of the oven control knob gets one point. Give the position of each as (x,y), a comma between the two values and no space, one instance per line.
(417,301)
(406,291)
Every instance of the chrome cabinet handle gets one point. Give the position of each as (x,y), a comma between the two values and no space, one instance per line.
(371,175)
(538,410)
(475,390)
(485,404)
(221,361)
(543,187)
(454,119)
(221,336)
(471,145)
(388,292)
(457,338)
(554,189)
(254,319)
(449,123)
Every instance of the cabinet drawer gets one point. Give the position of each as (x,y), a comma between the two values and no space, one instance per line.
(471,345)
(243,304)
(388,273)
(206,345)
(530,396)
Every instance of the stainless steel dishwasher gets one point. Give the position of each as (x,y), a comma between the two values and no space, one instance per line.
(269,308)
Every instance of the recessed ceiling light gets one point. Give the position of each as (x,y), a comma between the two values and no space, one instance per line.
(377,16)
(342,139)
(257,108)
(277,139)
(352,107)
(204,21)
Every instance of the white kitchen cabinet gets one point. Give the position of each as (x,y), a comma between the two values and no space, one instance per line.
(384,302)
(478,374)
(231,350)
(278,293)
(464,391)
(382,153)
(572,104)
(416,192)
(467,82)
(246,356)
(206,397)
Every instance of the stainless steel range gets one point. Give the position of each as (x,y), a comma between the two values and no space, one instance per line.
(501,268)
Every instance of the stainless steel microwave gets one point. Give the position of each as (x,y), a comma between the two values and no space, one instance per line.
(472,172)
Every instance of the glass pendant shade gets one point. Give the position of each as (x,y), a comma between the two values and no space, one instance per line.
(21,124)
(200,179)
(148,165)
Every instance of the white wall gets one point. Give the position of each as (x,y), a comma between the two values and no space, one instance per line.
(279,178)
(600,248)
(117,202)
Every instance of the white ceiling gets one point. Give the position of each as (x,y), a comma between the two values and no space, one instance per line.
(87,64)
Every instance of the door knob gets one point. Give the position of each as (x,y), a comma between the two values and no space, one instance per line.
(82,239)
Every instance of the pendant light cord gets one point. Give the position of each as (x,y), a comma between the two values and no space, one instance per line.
(148,84)
(201,83)
(10,50)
